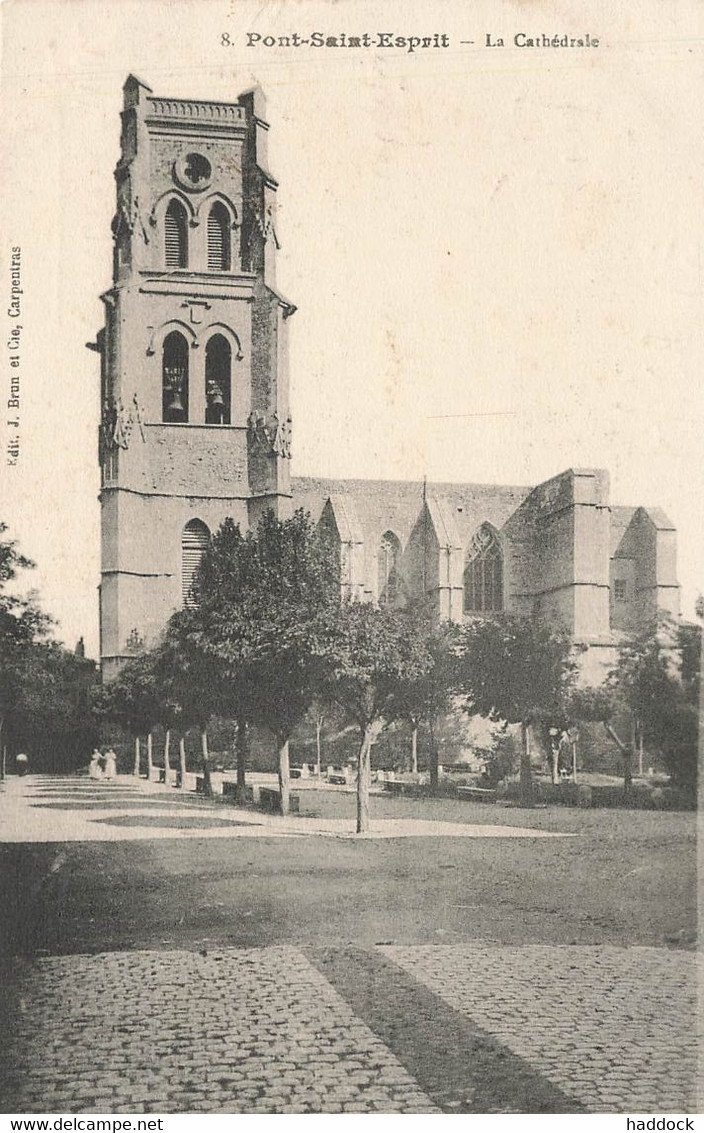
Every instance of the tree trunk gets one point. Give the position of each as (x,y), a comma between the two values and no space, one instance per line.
(2,749)
(207,781)
(167,765)
(182,760)
(241,756)
(638,744)
(363,777)
(284,774)
(137,758)
(414,748)
(526,777)
(150,760)
(434,761)
(640,752)
(364,774)
(554,761)
(318,730)
(626,754)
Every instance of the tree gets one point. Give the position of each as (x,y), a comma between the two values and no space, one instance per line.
(260,601)
(190,685)
(426,696)
(52,715)
(654,684)
(656,680)
(317,714)
(603,705)
(368,654)
(499,760)
(133,699)
(22,626)
(517,670)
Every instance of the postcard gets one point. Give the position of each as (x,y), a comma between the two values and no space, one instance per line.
(429,278)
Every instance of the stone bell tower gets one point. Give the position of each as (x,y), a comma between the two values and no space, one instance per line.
(194,380)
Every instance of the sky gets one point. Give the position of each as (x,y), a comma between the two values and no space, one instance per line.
(495,252)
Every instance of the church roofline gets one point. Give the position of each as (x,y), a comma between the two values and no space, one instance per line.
(443,523)
(659,519)
(346,518)
(349,483)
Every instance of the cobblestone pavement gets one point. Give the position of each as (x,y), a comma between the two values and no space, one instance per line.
(614,1028)
(411,1028)
(472,1028)
(253,1031)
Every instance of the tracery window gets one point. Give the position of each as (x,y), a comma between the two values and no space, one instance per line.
(390,585)
(174,378)
(218,365)
(175,236)
(194,541)
(484,574)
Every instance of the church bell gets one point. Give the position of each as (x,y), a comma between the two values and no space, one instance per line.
(175,405)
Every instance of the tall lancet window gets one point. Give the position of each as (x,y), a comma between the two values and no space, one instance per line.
(390,586)
(174,379)
(175,236)
(218,364)
(218,238)
(484,574)
(194,541)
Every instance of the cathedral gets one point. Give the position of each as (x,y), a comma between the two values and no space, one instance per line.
(196,425)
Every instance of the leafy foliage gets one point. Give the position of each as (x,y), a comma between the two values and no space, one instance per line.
(52,719)
(248,646)
(657,679)
(261,601)
(515,669)
(43,687)
(500,761)
(367,654)
(426,695)
(371,659)
(133,699)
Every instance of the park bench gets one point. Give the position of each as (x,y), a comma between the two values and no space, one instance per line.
(244,796)
(216,783)
(393,786)
(479,794)
(270,801)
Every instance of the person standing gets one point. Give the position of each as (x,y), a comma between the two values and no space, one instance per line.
(110,765)
(22,763)
(95,769)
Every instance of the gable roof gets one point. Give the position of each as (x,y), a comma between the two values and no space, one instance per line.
(345,515)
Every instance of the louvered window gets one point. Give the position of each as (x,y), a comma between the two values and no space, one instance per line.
(194,541)
(218,239)
(175,236)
